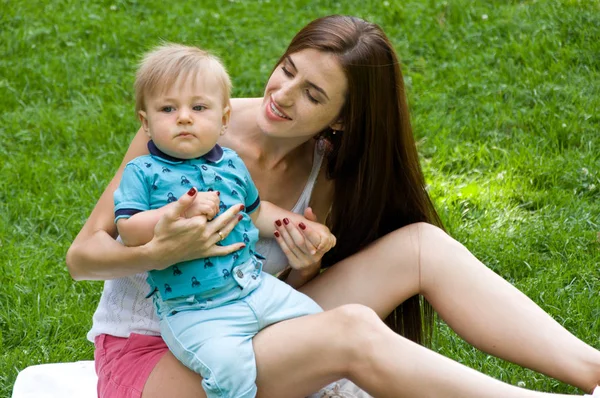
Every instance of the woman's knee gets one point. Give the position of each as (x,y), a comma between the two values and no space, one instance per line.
(437,253)
(423,233)
(417,249)
(406,246)
(432,237)
(360,329)
(427,238)
(411,239)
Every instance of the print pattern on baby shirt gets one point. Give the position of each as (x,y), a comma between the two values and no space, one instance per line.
(174,180)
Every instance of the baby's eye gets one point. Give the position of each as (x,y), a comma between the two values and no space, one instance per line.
(199,108)
(167,109)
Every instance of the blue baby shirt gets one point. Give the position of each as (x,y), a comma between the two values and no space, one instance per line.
(152,181)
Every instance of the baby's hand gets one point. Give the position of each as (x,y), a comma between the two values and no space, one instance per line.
(205,204)
(318,234)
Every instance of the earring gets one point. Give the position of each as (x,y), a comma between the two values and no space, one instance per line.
(334,132)
(324,145)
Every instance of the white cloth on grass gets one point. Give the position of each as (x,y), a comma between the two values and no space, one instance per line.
(78,380)
(595,394)
(57,380)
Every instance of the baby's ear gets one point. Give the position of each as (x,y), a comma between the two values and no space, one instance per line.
(226,115)
(144,121)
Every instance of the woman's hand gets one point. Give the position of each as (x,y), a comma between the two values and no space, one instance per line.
(304,243)
(178,238)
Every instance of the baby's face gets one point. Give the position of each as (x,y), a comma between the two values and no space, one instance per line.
(185,120)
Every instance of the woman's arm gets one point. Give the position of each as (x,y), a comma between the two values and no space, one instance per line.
(320,204)
(96,255)
(298,277)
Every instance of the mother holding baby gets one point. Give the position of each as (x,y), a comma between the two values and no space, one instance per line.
(330,139)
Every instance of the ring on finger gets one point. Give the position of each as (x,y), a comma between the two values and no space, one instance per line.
(220,235)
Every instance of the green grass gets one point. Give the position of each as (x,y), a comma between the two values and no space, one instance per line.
(505,110)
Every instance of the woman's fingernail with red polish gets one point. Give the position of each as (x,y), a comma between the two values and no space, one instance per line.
(240,217)
(278,223)
(242,207)
(276,233)
(302,226)
(286,221)
(218,193)
(192,191)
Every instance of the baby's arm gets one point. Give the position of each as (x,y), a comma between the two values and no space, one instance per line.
(267,214)
(95,255)
(303,242)
(264,215)
(138,229)
(134,215)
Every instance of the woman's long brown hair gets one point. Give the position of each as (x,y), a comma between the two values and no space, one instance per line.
(379,185)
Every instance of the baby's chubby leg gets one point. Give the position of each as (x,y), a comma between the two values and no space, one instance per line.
(274,301)
(217,344)
(230,367)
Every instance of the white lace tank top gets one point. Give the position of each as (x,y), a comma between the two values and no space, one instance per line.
(124,308)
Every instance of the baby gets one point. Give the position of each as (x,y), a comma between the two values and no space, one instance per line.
(209,308)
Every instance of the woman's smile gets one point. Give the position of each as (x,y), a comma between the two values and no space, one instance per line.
(276,111)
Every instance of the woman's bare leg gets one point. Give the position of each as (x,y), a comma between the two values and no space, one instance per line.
(297,357)
(170,378)
(480,306)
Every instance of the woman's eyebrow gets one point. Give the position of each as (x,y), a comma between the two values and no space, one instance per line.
(319,89)
(289,59)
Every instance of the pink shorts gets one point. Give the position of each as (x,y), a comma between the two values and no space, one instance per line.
(123,365)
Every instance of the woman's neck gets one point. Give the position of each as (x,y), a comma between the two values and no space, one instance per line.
(273,152)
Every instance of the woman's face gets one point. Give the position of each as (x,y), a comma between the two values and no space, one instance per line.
(303,96)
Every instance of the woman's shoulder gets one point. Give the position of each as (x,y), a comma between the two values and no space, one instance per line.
(244,107)
(243,119)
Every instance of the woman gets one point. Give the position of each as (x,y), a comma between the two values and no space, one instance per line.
(339,81)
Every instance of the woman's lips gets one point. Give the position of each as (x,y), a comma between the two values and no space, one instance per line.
(275,113)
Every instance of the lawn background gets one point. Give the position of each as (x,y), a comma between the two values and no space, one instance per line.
(505,100)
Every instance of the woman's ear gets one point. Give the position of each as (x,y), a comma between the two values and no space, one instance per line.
(337,126)
(144,120)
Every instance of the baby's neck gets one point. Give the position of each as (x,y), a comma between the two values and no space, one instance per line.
(155,150)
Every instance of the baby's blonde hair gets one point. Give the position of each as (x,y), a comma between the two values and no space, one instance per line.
(160,68)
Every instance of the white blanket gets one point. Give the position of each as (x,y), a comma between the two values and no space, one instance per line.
(78,380)
(57,380)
